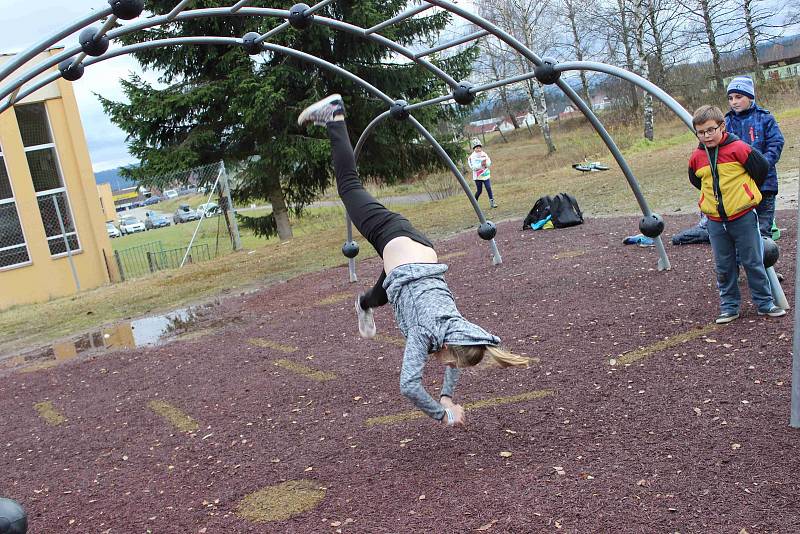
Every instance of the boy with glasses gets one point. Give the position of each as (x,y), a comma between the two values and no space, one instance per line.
(728,172)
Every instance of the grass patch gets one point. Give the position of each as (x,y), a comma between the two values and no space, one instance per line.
(281,502)
(333,299)
(643,352)
(49,413)
(304,371)
(268,344)
(486,403)
(174,416)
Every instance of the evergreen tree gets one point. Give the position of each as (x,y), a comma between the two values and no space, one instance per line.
(218,103)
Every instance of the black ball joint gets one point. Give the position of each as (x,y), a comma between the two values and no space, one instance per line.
(250,45)
(398,110)
(487,230)
(297,17)
(69,72)
(546,72)
(463,95)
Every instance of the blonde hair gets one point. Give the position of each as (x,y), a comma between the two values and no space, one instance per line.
(707,113)
(470,355)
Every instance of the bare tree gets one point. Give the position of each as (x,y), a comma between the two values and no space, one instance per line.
(576,16)
(496,63)
(642,67)
(616,20)
(719,25)
(529,22)
(764,21)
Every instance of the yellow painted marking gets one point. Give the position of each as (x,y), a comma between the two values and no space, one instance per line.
(49,413)
(302,370)
(40,366)
(333,299)
(644,352)
(569,254)
(497,401)
(281,502)
(266,343)
(452,255)
(174,416)
(393,340)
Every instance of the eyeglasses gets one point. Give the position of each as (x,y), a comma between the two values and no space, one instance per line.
(710,131)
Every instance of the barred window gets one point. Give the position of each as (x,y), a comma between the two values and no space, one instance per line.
(40,150)
(13,248)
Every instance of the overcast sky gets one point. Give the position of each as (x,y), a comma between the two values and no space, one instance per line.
(25,22)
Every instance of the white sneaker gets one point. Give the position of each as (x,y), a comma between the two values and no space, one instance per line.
(773,312)
(366,321)
(323,111)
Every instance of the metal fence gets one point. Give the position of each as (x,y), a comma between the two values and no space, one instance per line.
(133,262)
(172,259)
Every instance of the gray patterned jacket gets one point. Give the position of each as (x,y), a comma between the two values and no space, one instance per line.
(427,315)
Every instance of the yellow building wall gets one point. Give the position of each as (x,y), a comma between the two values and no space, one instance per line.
(46,277)
(107,202)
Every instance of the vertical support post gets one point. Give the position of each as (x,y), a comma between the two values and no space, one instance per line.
(66,243)
(151,262)
(794,420)
(119,265)
(351,262)
(228,211)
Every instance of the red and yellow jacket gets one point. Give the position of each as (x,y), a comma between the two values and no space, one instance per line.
(729,182)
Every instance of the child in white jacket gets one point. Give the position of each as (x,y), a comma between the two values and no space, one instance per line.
(480,162)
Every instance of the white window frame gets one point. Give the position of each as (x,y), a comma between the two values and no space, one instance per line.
(62,189)
(13,200)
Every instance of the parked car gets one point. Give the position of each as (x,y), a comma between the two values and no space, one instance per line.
(131,225)
(153,219)
(209,209)
(170,193)
(112,230)
(152,200)
(184,214)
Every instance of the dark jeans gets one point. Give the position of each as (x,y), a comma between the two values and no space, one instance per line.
(766,213)
(377,224)
(480,184)
(739,237)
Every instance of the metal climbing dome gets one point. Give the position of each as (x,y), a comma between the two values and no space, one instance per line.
(94,42)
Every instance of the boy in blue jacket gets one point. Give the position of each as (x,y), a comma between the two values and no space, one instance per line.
(758,128)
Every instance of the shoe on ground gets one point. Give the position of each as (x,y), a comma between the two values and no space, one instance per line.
(725,318)
(492,203)
(366,320)
(323,111)
(779,276)
(774,311)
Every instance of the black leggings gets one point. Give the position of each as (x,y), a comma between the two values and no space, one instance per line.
(377,224)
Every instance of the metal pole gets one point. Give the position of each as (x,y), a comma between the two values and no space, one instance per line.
(454,42)
(351,262)
(199,222)
(66,243)
(234,227)
(399,18)
(794,420)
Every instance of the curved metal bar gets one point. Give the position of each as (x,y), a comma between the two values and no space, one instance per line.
(635,79)
(209,40)
(663,262)
(496,258)
(211,12)
(42,45)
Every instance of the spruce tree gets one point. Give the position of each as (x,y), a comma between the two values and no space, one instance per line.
(217,103)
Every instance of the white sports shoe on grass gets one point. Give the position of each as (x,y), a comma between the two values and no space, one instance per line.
(323,111)
(366,321)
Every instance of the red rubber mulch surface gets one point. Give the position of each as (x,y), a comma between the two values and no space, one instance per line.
(692,437)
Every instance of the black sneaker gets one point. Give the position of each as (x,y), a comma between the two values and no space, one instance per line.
(724,318)
(323,111)
(773,312)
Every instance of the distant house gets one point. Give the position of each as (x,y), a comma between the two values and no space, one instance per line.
(780,60)
(483,126)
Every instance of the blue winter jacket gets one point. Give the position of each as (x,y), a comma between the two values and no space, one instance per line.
(758,128)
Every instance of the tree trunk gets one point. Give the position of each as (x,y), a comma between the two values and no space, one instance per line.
(712,45)
(507,107)
(539,109)
(751,40)
(626,42)
(279,212)
(659,71)
(576,43)
(643,68)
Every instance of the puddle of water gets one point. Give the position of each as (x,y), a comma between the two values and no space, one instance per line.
(147,331)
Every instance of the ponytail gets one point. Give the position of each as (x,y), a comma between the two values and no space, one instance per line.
(503,358)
